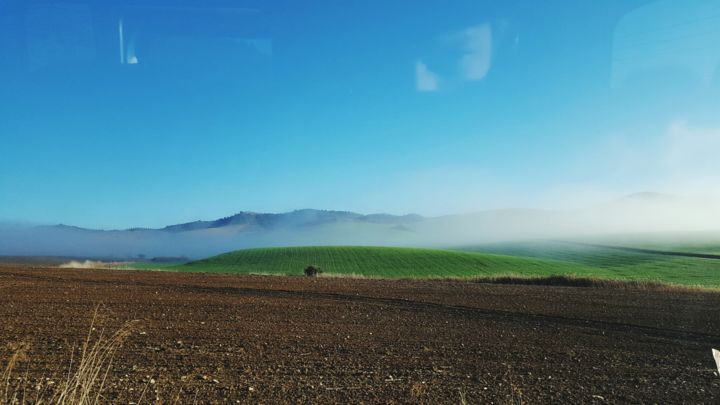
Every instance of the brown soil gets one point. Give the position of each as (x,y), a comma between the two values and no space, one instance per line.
(224,339)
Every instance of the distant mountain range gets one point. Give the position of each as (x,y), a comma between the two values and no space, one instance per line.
(297,218)
(641,212)
(202,238)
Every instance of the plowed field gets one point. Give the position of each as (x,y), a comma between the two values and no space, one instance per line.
(212,338)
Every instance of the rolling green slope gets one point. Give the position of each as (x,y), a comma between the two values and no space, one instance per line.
(382,262)
(711,248)
(527,259)
(614,263)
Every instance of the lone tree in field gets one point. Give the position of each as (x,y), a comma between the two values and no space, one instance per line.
(312,271)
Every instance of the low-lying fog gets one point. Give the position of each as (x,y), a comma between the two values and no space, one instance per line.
(653,215)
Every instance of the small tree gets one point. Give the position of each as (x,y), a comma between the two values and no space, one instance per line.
(312,271)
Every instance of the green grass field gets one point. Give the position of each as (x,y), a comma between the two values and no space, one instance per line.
(383,262)
(613,263)
(521,259)
(690,242)
(689,247)
(526,259)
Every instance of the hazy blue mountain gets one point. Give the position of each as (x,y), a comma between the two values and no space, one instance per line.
(201,238)
(297,218)
(642,212)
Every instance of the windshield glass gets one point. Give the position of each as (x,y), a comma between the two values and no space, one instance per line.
(521,144)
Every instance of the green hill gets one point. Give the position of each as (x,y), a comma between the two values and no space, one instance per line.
(522,259)
(384,262)
(517,259)
(612,262)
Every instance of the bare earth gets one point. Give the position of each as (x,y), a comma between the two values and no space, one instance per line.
(224,339)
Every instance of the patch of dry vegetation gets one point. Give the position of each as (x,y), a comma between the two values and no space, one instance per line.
(572,281)
(86,377)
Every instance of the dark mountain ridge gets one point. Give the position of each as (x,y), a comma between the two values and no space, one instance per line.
(297,218)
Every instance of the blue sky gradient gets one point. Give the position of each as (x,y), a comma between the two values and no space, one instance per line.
(391,107)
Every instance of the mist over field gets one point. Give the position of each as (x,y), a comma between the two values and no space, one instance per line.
(651,215)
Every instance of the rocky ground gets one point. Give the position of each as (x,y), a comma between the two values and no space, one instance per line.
(225,339)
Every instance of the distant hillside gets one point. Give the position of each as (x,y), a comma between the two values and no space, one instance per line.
(383,262)
(638,213)
(206,238)
(618,262)
(306,217)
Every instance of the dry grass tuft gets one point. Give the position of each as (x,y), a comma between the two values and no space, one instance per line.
(463,397)
(84,384)
(7,394)
(86,376)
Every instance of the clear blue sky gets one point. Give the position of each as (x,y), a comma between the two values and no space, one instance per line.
(194,113)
